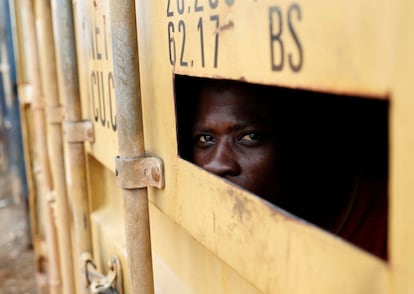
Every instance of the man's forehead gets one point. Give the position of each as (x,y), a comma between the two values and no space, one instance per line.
(232,116)
(231,93)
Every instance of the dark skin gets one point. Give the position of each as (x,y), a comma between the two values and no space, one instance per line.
(234,138)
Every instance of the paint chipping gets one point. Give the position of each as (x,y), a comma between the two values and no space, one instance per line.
(239,208)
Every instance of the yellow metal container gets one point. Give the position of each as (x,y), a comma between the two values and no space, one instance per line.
(122,191)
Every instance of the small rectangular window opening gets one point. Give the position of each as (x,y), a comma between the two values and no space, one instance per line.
(322,157)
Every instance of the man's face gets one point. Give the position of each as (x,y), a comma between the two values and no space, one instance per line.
(233,137)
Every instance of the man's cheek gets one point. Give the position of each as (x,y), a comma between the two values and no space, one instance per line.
(198,158)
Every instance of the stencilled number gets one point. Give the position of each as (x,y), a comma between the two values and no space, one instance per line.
(181,29)
(180,32)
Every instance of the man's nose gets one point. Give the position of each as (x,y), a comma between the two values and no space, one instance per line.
(223,161)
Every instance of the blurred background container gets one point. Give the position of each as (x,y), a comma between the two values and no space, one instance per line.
(17,273)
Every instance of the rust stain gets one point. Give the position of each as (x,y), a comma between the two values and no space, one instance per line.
(155,173)
(240,209)
(241,78)
(90,133)
(227,26)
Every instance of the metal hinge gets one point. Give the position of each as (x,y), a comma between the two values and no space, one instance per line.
(111,283)
(78,131)
(139,172)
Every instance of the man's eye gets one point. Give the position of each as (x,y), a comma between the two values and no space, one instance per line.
(250,137)
(206,139)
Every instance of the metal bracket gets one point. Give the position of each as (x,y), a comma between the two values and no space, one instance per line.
(78,131)
(111,283)
(139,172)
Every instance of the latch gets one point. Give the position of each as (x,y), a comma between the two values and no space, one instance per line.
(139,172)
(78,131)
(111,283)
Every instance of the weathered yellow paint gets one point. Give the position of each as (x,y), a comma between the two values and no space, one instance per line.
(322,45)
(208,236)
(274,251)
(270,249)
(107,218)
(182,265)
(109,241)
(32,90)
(402,156)
(96,77)
(37,214)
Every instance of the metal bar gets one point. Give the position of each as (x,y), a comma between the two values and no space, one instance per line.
(44,180)
(51,95)
(27,154)
(131,142)
(67,73)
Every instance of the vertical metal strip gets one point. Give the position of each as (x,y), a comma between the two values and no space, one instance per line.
(131,142)
(67,73)
(43,179)
(51,95)
(28,156)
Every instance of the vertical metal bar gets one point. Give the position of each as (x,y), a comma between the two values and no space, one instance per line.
(51,95)
(24,109)
(34,94)
(28,158)
(67,73)
(131,142)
